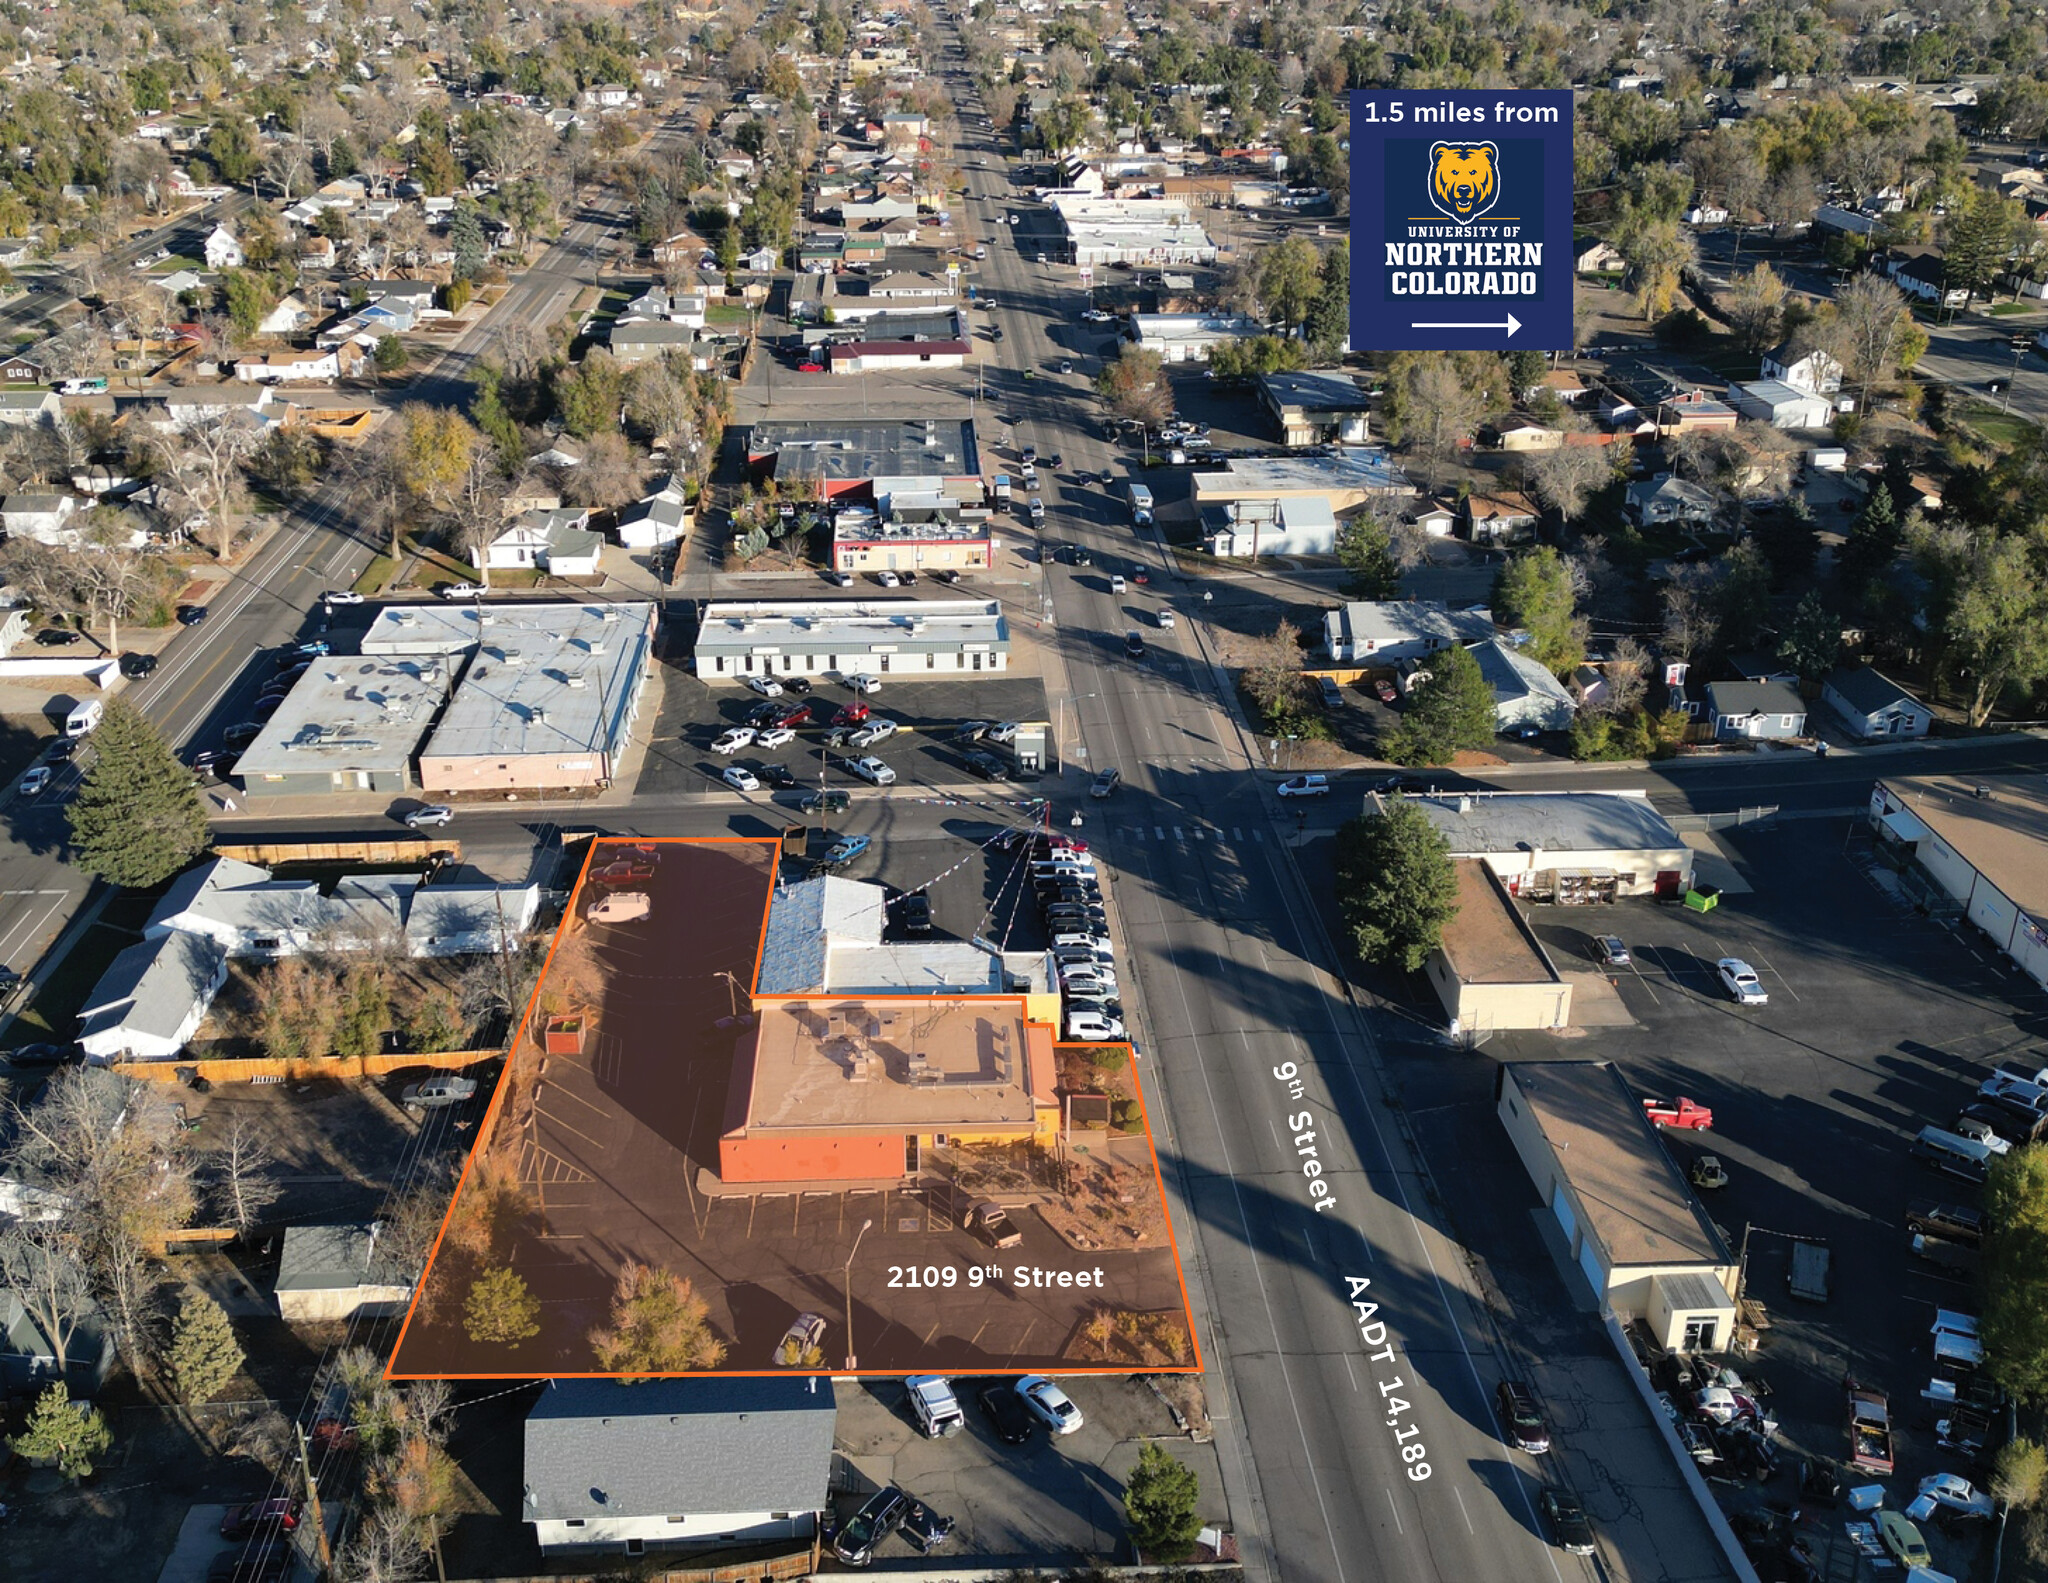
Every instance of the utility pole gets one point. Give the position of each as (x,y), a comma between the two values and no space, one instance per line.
(320,1544)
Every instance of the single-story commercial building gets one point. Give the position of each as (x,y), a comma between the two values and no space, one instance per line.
(1345,481)
(1632,1226)
(151,999)
(1384,632)
(882,357)
(857,1091)
(1249,528)
(1565,846)
(845,457)
(1874,708)
(1526,697)
(1315,408)
(900,638)
(338,1272)
(1782,405)
(352,723)
(1490,971)
(547,698)
(1190,337)
(933,538)
(1767,711)
(1979,841)
(659,1464)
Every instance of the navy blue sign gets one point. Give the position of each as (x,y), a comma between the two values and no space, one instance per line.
(1461,219)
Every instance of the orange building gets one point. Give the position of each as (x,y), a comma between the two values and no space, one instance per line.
(859,1090)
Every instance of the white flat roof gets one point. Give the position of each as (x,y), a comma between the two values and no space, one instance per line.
(361,712)
(744,627)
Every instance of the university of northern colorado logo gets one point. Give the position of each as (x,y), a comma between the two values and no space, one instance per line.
(1463,179)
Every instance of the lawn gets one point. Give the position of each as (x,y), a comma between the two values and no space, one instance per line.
(53,1007)
(1998,428)
(2006,309)
(725,313)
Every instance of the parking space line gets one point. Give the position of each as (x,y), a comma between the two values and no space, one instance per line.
(1396,1506)
(559,1122)
(1463,1513)
(1353,1378)
(1780,977)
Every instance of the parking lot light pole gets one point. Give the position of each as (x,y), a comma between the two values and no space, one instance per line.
(846,1280)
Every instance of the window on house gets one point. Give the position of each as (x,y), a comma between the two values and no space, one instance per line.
(1786,721)
(576,1522)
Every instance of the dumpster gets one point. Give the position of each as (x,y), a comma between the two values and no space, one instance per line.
(1703,898)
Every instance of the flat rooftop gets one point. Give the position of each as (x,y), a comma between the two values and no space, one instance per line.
(356,712)
(1489,941)
(1476,823)
(890,1066)
(2004,835)
(846,449)
(1370,471)
(743,627)
(1316,392)
(1632,1192)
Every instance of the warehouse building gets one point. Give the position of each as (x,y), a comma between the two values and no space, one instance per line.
(1101,231)
(1629,1223)
(859,1091)
(1346,481)
(1490,970)
(353,723)
(546,696)
(1974,844)
(905,639)
(1565,847)
(854,459)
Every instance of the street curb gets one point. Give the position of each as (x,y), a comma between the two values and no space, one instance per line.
(60,948)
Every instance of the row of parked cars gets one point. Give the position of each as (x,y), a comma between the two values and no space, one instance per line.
(1069,891)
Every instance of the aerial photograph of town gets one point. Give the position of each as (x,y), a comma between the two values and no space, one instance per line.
(1045,791)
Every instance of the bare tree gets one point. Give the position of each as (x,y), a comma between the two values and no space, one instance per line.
(477,509)
(385,1548)
(202,467)
(1690,623)
(323,124)
(288,162)
(39,1268)
(609,476)
(1566,478)
(243,1183)
(1439,410)
(100,582)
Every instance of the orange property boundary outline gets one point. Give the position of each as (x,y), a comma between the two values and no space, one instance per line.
(523,1030)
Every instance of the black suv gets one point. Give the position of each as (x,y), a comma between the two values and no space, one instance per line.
(855,1543)
(1524,1419)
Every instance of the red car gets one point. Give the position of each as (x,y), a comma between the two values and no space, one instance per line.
(810,368)
(791,715)
(1385,689)
(850,714)
(276,1516)
(625,871)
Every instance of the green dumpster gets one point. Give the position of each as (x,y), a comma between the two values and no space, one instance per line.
(1703,898)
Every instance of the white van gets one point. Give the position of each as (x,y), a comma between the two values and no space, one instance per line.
(1950,1153)
(84,718)
(625,906)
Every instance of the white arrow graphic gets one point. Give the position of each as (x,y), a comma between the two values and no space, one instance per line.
(1511,326)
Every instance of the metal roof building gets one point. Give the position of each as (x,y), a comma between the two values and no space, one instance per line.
(1571,846)
(904,639)
(352,723)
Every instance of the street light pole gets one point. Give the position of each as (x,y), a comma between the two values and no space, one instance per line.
(846,1280)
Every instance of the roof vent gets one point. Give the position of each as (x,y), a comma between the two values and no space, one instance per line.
(539,717)
(512,657)
(578,679)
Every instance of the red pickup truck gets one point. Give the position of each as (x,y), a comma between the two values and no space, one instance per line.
(1679,1113)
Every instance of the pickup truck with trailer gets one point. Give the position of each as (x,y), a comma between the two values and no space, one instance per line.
(1870,1429)
(1681,1113)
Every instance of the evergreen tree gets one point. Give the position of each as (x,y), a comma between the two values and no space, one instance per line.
(1813,642)
(466,241)
(1790,540)
(58,1432)
(1367,551)
(1526,369)
(2015,1289)
(1451,711)
(137,818)
(659,1325)
(1395,885)
(1873,543)
(1533,590)
(1161,1505)
(501,1308)
(1329,316)
(204,1354)
(390,354)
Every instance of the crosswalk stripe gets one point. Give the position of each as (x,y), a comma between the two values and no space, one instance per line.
(1236,834)
(1258,835)
(1158,834)
(1177,834)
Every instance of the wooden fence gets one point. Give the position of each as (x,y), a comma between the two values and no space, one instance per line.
(268,1070)
(773,1569)
(391,849)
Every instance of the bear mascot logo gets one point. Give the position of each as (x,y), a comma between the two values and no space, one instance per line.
(1463,179)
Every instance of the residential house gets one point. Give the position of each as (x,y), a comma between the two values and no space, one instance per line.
(22,409)
(318,252)
(298,367)
(1501,518)
(1829,218)
(555,542)
(1874,708)
(151,1000)
(1757,711)
(1435,518)
(289,316)
(17,251)
(22,371)
(1593,256)
(221,250)
(1666,498)
(1524,434)
(644,340)
(326,1273)
(1803,368)
(1378,633)
(42,516)
(664,517)
(28,1352)
(1687,410)
(1527,699)
(1315,408)
(1922,274)
(415,296)
(182,409)
(1563,383)
(664,1463)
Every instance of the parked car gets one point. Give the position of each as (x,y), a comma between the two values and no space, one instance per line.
(281,1513)
(341,596)
(850,714)
(877,730)
(1306,786)
(1955,1496)
(1049,1404)
(1384,691)
(1955,1222)
(915,913)
(191,615)
(458,590)
(1569,1529)
(766,686)
(740,778)
(888,580)
(775,737)
(845,850)
(42,1054)
(435,814)
(1524,1419)
(803,1343)
(35,780)
(855,1543)
(872,770)
(987,1220)
(735,739)
(1741,982)
(1003,733)
(1091,1027)
(1903,1540)
(863,684)
(437,1093)
(1610,951)
(825,802)
(241,734)
(621,906)
(972,730)
(986,765)
(1011,1420)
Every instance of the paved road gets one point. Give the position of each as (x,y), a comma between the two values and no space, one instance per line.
(37,304)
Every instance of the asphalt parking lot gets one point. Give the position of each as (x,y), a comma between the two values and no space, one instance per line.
(1880,1021)
(1049,1497)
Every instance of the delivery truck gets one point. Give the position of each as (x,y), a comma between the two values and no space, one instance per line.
(1141,506)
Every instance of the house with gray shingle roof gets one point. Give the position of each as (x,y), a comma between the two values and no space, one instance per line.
(152,999)
(1526,697)
(1874,707)
(1755,711)
(669,1463)
(338,1272)
(28,1353)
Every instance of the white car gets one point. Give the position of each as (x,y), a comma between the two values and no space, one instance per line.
(735,739)
(1005,732)
(863,685)
(871,733)
(1741,982)
(1092,1027)
(1049,1404)
(1306,786)
(766,686)
(775,737)
(889,580)
(873,771)
(1956,1494)
(434,813)
(740,778)
(341,596)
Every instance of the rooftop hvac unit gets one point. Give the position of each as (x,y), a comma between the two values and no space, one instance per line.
(539,717)
(404,618)
(596,645)
(578,679)
(512,657)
